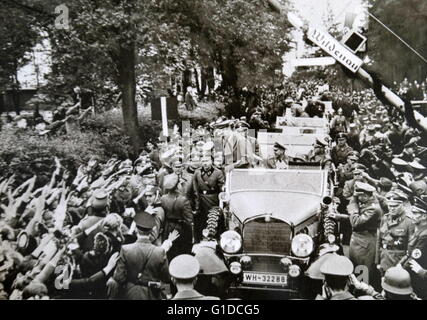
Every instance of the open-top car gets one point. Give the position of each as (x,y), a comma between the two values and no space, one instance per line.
(272,229)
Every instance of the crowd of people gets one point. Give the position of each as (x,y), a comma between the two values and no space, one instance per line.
(148,228)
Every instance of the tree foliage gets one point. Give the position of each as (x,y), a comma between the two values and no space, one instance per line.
(18,34)
(392,59)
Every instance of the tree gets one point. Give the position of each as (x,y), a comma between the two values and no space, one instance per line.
(18,35)
(392,59)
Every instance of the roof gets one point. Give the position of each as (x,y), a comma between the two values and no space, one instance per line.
(289,195)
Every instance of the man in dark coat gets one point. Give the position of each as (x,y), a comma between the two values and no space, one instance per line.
(365,215)
(185,181)
(142,266)
(341,151)
(207,184)
(395,231)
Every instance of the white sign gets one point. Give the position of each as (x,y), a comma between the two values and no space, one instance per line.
(321,61)
(164,116)
(325,41)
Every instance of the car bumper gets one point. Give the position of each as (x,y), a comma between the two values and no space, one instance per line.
(248,292)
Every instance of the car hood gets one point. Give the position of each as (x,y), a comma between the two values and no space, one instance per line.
(291,207)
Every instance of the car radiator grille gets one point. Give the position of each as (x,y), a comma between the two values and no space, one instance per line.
(272,237)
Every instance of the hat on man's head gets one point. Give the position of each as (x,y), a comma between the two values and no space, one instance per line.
(144,221)
(341,135)
(170,181)
(243,124)
(184,267)
(150,175)
(385,183)
(397,280)
(361,187)
(353,157)
(321,141)
(337,265)
(399,162)
(99,199)
(418,187)
(277,145)
(416,165)
(420,203)
(396,196)
(200,144)
(176,162)
(371,127)
(412,143)
(416,209)
(359,167)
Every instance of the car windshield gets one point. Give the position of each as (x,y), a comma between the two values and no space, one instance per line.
(304,181)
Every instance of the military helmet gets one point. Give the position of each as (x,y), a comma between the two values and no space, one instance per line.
(397,281)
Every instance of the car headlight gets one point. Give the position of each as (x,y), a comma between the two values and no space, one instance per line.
(302,245)
(235,267)
(230,242)
(245,261)
(294,271)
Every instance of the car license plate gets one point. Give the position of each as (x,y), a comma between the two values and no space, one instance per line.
(265,278)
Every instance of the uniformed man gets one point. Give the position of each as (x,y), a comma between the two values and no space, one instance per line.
(338,123)
(165,169)
(400,170)
(336,270)
(142,266)
(122,198)
(365,216)
(367,138)
(90,224)
(341,151)
(396,284)
(383,187)
(185,181)
(241,150)
(345,172)
(207,184)
(419,186)
(213,276)
(183,270)
(395,231)
(179,216)
(358,176)
(154,208)
(417,252)
(353,138)
(280,160)
(319,154)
